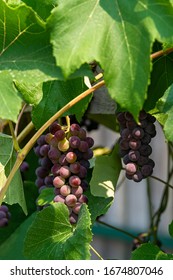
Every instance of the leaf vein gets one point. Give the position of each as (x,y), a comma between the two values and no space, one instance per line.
(126,40)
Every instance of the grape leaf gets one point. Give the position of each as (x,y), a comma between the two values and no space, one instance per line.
(161,79)
(46,196)
(165,107)
(149,251)
(10,99)
(42,7)
(15,192)
(56,94)
(31,94)
(98,205)
(105,174)
(117,34)
(25,55)
(162,256)
(14,2)
(6,149)
(57,238)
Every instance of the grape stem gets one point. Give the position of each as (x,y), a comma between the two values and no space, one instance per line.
(15,141)
(25,132)
(121,230)
(68,123)
(162,181)
(25,150)
(164,199)
(160,53)
(150,206)
(97,254)
(19,118)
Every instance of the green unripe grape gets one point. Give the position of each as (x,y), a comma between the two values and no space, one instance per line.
(63,145)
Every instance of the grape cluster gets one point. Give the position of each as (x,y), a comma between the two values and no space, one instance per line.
(64,162)
(134,144)
(4,215)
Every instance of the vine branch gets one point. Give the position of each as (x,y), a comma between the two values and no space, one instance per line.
(15,141)
(121,230)
(97,254)
(160,53)
(19,118)
(164,200)
(162,181)
(25,132)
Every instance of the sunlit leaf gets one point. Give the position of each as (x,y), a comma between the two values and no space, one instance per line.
(105,174)
(117,34)
(57,239)
(165,108)
(150,251)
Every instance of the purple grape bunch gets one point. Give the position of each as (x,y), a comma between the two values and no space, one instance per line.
(134,145)
(63,164)
(4,216)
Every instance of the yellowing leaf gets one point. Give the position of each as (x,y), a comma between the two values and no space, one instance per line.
(105,174)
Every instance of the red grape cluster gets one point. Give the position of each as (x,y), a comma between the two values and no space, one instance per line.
(64,162)
(4,215)
(134,144)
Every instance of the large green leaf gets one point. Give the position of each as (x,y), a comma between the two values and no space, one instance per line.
(57,238)
(25,55)
(24,46)
(117,34)
(150,251)
(56,94)
(105,174)
(165,107)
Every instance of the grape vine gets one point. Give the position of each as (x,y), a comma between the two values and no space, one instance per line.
(59,96)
